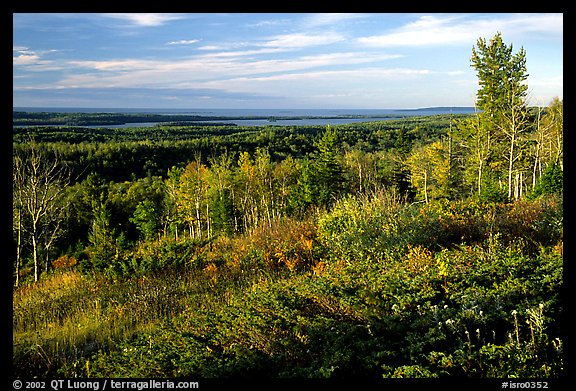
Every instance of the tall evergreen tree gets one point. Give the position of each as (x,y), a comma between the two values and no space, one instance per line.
(328,169)
(103,246)
(502,96)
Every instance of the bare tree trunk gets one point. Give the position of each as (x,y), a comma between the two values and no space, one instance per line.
(208,227)
(198,224)
(480,164)
(539,141)
(35,255)
(511,163)
(535,168)
(18,248)
(426,186)
(559,151)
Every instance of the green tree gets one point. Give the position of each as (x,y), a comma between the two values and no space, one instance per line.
(222,212)
(502,95)
(329,173)
(170,207)
(303,193)
(103,248)
(550,182)
(146,217)
(223,195)
(85,197)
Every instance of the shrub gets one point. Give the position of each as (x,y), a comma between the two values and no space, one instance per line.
(551,182)
(64,262)
(362,227)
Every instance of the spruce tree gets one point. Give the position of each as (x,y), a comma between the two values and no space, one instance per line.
(329,173)
(502,99)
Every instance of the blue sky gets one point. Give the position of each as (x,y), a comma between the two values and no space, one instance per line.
(260,60)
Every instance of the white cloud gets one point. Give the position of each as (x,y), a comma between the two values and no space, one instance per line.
(20,49)
(211,47)
(333,75)
(202,68)
(300,40)
(117,65)
(183,42)
(145,20)
(274,44)
(329,19)
(271,23)
(239,53)
(427,30)
(32,60)
(25,59)
(460,29)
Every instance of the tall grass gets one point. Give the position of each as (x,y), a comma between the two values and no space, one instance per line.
(69,315)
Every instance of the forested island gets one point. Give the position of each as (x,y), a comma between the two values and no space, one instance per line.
(425,246)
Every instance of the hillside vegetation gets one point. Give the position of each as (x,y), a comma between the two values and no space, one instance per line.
(371,288)
(420,247)
(373,283)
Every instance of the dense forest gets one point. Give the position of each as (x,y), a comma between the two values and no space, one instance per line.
(428,246)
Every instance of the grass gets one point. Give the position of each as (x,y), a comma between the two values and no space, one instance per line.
(68,315)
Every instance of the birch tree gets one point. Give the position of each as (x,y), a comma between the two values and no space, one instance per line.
(192,198)
(39,186)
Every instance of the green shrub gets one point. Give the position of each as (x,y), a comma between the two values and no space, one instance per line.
(551,182)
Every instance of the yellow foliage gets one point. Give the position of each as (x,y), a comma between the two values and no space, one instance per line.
(319,268)
(212,271)
(418,259)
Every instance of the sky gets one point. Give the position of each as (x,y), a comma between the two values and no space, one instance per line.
(271,60)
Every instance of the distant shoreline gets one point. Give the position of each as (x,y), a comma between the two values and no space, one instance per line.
(22,117)
(41,116)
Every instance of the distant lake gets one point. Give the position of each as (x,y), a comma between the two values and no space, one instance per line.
(281,117)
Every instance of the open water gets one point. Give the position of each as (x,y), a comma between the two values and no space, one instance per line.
(289,117)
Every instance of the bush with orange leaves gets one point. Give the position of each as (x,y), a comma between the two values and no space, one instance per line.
(287,243)
(64,262)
